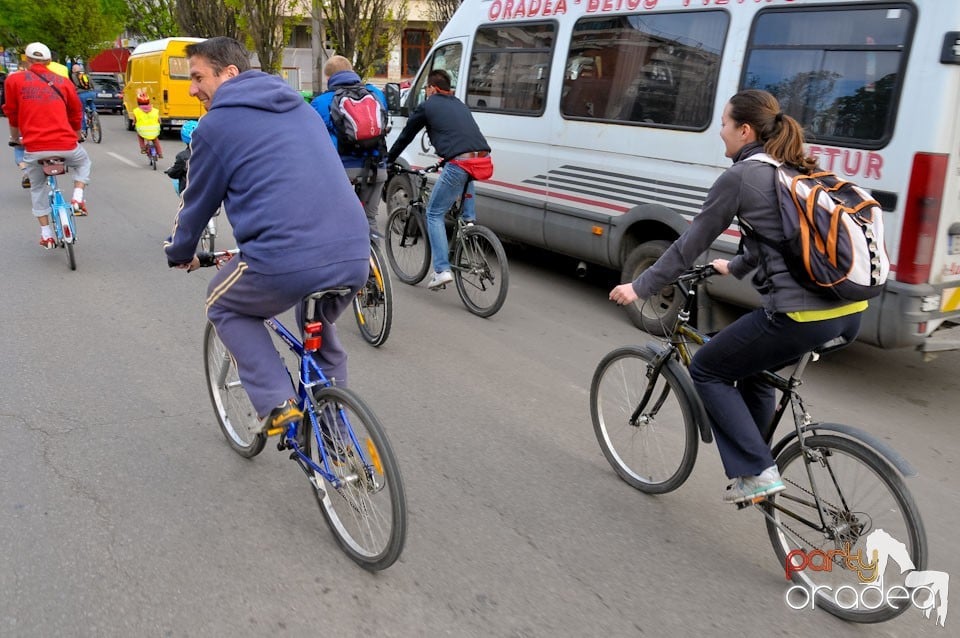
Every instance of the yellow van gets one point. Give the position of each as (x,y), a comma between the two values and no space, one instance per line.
(159,68)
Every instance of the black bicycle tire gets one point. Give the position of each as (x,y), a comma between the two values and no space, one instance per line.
(71,256)
(399,223)
(602,429)
(96,131)
(385,295)
(220,410)
(391,471)
(896,487)
(493,241)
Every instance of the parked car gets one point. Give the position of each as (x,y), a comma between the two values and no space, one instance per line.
(109,90)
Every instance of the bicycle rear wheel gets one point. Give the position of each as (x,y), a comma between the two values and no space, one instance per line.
(235,414)
(656,453)
(93,123)
(373,305)
(861,494)
(408,248)
(64,228)
(480,271)
(366,507)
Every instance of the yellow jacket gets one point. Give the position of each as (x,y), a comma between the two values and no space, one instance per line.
(147,124)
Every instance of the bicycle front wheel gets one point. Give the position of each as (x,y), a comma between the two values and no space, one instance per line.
(408,248)
(231,405)
(480,271)
(93,122)
(364,504)
(655,453)
(866,506)
(373,305)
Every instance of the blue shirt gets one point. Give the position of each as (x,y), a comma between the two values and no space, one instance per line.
(321,104)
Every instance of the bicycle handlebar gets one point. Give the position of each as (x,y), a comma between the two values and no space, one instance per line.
(697,273)
(215,258)
(397,169)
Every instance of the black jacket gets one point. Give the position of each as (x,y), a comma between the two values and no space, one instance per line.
(450,126)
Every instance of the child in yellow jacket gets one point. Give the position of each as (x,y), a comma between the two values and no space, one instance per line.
(147,123)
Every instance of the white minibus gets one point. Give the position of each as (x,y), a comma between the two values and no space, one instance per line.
(604,119)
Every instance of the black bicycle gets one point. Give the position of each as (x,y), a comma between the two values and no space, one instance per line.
(477,258)
(842,483)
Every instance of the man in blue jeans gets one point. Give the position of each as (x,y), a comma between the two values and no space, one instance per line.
(456,137)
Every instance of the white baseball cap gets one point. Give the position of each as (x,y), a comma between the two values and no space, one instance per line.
(37,51)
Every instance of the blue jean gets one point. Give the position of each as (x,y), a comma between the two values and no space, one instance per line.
(240,300)
(448,188)
(18,154)
(725,372)
(86,96)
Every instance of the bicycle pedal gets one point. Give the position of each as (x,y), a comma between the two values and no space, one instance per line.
(275,431)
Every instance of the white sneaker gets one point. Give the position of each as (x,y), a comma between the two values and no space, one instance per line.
(753,488)
(440,279)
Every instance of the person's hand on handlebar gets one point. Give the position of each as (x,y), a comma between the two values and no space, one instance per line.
(720,265)
(623,294)
(190,266)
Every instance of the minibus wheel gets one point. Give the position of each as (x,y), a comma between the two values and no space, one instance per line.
(657,314)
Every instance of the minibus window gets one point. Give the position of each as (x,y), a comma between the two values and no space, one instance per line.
(446,58)
(647,69)
(510,68)
(179,68)
(836,70)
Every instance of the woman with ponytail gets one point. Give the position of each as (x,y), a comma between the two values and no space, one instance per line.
(791,320)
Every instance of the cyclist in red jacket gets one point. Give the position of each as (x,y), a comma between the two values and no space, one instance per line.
(45,112)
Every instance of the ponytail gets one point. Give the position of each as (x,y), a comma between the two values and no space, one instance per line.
(780,134)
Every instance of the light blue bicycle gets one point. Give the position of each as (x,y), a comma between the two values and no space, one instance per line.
(61,213)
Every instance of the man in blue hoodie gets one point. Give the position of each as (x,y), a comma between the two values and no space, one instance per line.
(369,167)
(261,152)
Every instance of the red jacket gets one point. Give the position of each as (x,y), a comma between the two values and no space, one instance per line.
(46,121)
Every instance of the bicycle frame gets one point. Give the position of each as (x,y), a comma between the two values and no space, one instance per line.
(60,212)
(310,376)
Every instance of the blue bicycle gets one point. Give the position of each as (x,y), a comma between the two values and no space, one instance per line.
(340,445)
(61,213)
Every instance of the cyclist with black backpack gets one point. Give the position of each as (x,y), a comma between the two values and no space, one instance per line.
(356,117)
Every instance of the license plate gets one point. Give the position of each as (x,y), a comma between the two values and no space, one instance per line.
(104,94)
(178,122)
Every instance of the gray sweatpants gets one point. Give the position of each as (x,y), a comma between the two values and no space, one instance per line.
(370,193)
(77,160)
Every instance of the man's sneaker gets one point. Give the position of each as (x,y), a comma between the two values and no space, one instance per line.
(25,182)
(280,417)
(79,208)
(753,488)
(440,279)
(48,242)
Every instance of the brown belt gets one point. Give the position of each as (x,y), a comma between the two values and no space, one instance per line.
(471,155)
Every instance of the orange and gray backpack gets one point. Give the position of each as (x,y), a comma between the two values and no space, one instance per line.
(833,233)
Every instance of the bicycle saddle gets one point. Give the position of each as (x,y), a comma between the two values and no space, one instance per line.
(53,165)
(311,300)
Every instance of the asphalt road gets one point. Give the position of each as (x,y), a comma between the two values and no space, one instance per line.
(124,513)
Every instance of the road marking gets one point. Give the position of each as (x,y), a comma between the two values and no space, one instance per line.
(123,159)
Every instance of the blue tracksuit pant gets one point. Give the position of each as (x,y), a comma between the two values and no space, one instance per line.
(238,302)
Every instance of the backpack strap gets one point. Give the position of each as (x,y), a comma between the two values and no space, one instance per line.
(50,83)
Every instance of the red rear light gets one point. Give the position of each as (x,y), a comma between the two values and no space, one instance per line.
(921,217)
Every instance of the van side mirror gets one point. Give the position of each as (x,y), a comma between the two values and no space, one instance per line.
(392,92)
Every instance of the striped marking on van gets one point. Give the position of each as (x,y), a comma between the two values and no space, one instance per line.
(572,181)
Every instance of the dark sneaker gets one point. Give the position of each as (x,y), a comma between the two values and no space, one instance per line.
(280,417)
(25,182)
(754,488)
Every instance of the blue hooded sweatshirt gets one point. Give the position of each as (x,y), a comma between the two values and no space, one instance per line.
(263,153)
(321,104)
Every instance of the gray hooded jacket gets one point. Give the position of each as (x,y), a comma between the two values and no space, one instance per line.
(746,190)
